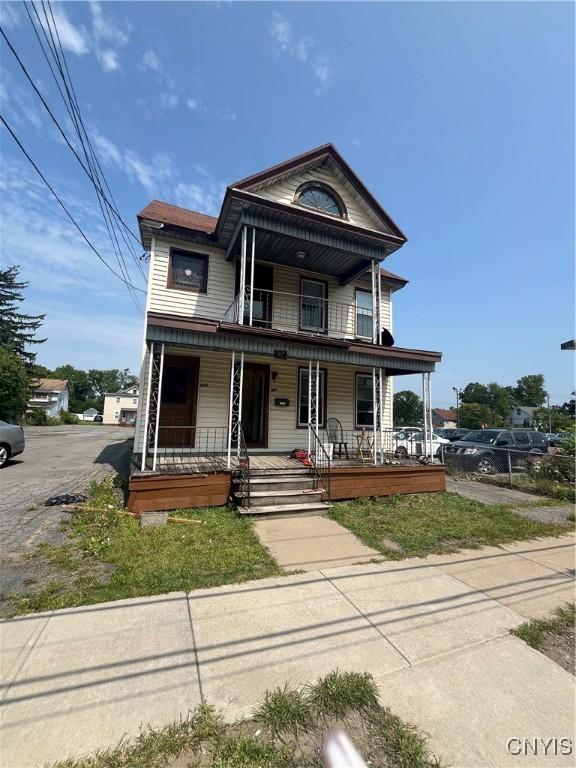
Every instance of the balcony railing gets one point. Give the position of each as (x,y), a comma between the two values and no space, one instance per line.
(298,313)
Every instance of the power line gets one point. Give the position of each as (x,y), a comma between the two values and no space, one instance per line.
(64,208)
(55,121)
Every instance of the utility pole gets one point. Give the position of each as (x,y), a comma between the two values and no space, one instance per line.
(457,405)
(549,416)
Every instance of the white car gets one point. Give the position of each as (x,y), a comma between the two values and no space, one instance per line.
(412,444)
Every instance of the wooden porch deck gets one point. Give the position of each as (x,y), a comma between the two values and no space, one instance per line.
(261,462)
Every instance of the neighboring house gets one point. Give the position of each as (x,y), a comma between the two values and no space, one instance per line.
(264,323)
(89,413)
(443,418)
(51,395)
(121,407)
(521,416)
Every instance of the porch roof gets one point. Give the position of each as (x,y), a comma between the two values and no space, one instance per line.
(210,335)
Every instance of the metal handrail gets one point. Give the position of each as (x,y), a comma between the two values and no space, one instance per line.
(302,313)
(243,464)
(320,460)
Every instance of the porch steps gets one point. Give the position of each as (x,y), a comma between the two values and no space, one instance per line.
(284,493)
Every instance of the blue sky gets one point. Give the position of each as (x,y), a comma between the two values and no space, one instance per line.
(458,116)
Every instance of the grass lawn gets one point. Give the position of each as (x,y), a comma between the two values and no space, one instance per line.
(425,523)
(108,556)
(285,731)
(554,636)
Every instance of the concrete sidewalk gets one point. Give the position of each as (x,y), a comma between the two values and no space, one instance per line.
(434,633)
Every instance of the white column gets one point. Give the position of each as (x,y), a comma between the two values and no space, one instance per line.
(425,406)
(253,255)
(379,311)
(242,289)
(317,391)
(374,330)
(230,406)
(157,425)
(381,385)
(147,411)
(240,386)
(430,415)
(374,416)
(309,405)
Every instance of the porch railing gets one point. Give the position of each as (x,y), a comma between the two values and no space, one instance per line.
(302,314)
(190,447)
(320,460)
(389,445)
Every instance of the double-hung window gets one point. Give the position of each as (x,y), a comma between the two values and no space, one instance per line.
(313,305)
(364,313)
(303,383)
(364,401)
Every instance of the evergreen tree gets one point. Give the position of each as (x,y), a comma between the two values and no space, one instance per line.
(14,387)
(17,330)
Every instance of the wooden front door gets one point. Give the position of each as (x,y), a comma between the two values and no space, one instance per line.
(178,401)
(255,404)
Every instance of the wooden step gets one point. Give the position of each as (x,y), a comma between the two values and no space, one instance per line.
(287,510)
(276,498)
(296,472)
(294,482)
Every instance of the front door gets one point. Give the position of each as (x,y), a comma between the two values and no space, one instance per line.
(178,401)
(255,399)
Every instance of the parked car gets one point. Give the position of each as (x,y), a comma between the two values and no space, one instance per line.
(453,434)
(487,450)
(11,441)
(98,417)
(412,444)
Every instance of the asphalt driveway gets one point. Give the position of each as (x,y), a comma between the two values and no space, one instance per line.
(56,460)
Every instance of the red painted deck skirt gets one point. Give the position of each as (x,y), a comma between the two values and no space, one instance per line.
(178,491)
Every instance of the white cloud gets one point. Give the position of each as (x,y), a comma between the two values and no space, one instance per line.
(303,49)
(150,61)
(195,105)
(73,39)
(169,100)
(160,177)
(9,15)
(108,59)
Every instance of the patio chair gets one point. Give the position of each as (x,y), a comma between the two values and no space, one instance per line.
(336,437)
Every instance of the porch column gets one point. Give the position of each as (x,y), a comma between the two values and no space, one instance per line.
(253,256)
(379,302)
(375,414)
(430,415)
(147,409)
(313,400)
(235,403)
(242,288)
(374,303)
(158,406)
(427,415)
(382,411)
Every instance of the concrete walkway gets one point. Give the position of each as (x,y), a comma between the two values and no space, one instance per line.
(434,633)
(312,543)
(493,494)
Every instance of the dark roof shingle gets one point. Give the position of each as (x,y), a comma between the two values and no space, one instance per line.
(178,217)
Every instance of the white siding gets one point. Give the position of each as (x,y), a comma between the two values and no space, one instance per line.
(283,434)
(212,304)
(358,212)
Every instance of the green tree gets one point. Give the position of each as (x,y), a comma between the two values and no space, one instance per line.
(529,390)
(499,399)
(407,409)
(476,416)
(14,385)
(81,392)
(554,420)
(17,330)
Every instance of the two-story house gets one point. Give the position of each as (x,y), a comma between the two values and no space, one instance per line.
(52,395)
(268,330)
(121,407)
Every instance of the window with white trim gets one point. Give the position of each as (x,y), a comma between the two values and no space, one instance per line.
(364,401)
(364,313)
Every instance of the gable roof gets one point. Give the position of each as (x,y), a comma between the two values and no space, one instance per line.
(50,385)
(309,160)
(444,413)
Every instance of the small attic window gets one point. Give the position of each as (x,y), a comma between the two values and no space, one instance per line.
(320,197)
